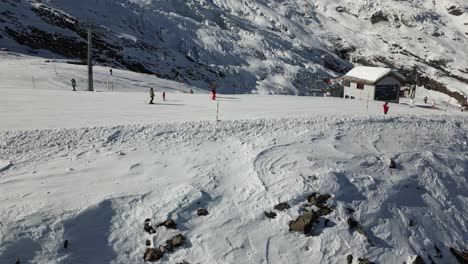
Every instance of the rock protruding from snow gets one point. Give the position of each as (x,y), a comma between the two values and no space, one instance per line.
(152,254)
(202,212)
(282,206)
(378,17)
(5,165)
(455,10)
(364,260)
(148,228)
(354,225)
(170,224)
(176,241)
(304,223)
(270,214)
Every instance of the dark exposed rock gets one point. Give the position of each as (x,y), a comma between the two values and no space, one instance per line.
(455,10)
(340,9)
(352,224)
(170,224)
(364,260)
(271,215)
(350,210)
(148,228)
(378,16)
(461,256)
(152,254)
(202,212)
(326,222)
(392,164)
(282,206)
(318,200)
(65,244)
(163,249)
(304,223)
(148,242)
(418,260)
(176,241)
(324,211)
(349,259)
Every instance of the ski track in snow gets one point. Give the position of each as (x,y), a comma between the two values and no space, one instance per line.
(236,169)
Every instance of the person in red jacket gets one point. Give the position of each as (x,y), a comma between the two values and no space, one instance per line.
(386,107)
(164,96)
(213,93)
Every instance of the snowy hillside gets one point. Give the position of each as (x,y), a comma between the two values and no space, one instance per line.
(251,46)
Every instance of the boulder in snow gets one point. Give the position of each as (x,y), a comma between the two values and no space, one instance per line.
(5,165)
(455,10)
(318,200)
(148,228)
(340,9)
(176,241)
(271,215)
(378,16)
(152,254)
(349,259)
(364,260)
(282,206)
(304,223)
(202,212)
(170,224)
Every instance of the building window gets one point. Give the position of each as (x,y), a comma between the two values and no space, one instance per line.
(347,84)
(360,86)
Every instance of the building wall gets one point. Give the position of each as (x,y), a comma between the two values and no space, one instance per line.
(369,90)
(360,94)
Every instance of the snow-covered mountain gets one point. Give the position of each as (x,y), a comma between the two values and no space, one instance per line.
(244,46)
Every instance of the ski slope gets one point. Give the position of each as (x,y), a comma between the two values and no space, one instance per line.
(89,167)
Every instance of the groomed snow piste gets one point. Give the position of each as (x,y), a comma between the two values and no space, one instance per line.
(89,168)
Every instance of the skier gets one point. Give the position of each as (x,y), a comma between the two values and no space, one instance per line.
(73,82)
(386,107)
(191,91)
(110,71)
(151,95)
(164,96)
(213,93)
(425,100)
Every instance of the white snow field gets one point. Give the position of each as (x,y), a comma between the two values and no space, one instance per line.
(89,168)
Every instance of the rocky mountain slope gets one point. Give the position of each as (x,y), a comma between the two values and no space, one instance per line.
(245,46)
